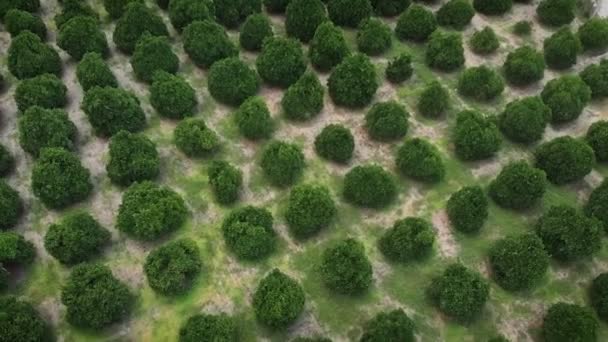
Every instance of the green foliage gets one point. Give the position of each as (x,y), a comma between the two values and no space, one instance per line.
(17,21)
(28,56)
(349,13)
(421,160)
(456,14)
(556,12)
(111,110)
(353,82)
(278,300)
(172,268)
(149,212)
(311,339)
(524,66)
(387,121)
(92,71)
(137,20)
(598,293)
(152,54)
(524,120)
(231,13)
(94,298)
(561,49)
(369,186)
(46,91)
(303,100)
(310,208)
(493,7)
(276,6)
(72,9)
(399,68)
(597,204)
(518,262)
(133,158)
(433,101)
(522,28)
(116,8)
(11,206)
(253,119)
(408,239)
(345,269)
(19,321)
(40,128)
(480,83)
(568,235)
(302,17)
(172,96)
(204,327)
(484,42)
(593,34)
(281,62)
(59,180)
(417,23)
(24,5)
(390,8)
(76,238)
(184,12)
(444,51)
(564,159)
(475,136)
(231,81)
(248,233)
(468,209)
(81,35)
(335,143)
(374,37)
(255,29)
(225,181)
(459,293)
(328,47)
(567,96)
(596,77)
(518,186)
(597,138)
(206,42)
(393,326)
(283,163)
(194,138)
(569,322)
(15,250)
(7,162)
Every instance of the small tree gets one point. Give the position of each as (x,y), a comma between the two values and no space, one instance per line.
(598,293)
(278,300)
(408,239)
(72,9)
(369,186)
(421,160)
(456,14)
(417,23)
(283,163)
(194,138)
(303,100)
(475,137)
(205,327)
(480,83)
(310,208)
(231,13)
(15,250)
(7,161)
(389,326)
(345,269)
(28,56)
(172,96)
(248,233)
(468,209)
(493,7)
(21,322)
(594,34)
(390,8)
(92,71)
(567,96)
(281,62)
(353,82)
(596,77)
(133,158)
(518,186)
(206,42)
(597,204)
(556,12)
(522,28)
(184,12)
(231,81)
(444,51)
(81,35)
(597,138)
(225,181)
(302,17)
(433,101)
(374,37)
(561,49)
(564,159)
(524,66)
(11,206)
(335,143)
(46,91)
(524,120)
(569,322)
(349,13)
(24,5)
(41,128)
(116,8)
(255,29)
(399,69)
(111,110)
(76,238)
(173,267)
(328,47)
(253,119)
(17,21)
(148,211)
(137,20)
(276,6)
(387,121)
(484,42)
(152,54)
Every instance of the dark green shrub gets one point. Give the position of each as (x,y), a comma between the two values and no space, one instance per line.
(345,269)
(310,208)
(164,4)
(311,339)
(253,119)
(328,47)
(417,23)
(116,8)
(28,56)
(81,35)
(231,81)
(303,100)
(468,209)
(24,5)
(92,71)
(492,7)
(456,14)
(518,186)
(15,250)
(475,136)
(204,327)
(173,267)
(194,138)
(444,51)
(255,29)
(95,298)
(278,300)
(172,96)
(597,138)
(349,12)
(569,322)
(152,54)
(374,37)
(567,96)
(433,101)
(522,28)
(59,180)
(11,206)
(597,204)
(399,69)
(459,293)
(276,6)
(206,42)
(111,110)
(387,121)
(133,158)
(225,181)
(231,13)
(149,211)
(480,83)
(556,12)
(524,120)
(76,238)
(369,186)
(593,34)
(137,20)
(19,321)
(46,91)
(567,234)
(484,42)
(283,163)
(72,9)
(281,62)
(302,17)
(7,161)
(596,77)
(390,8)
(335,143)
(353,82)
(393,326)
(524,66)
(408,239)
(598,293)
(561,49)
(183,12)
(421,160)
(248,233)
(564,159)
(16,21)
